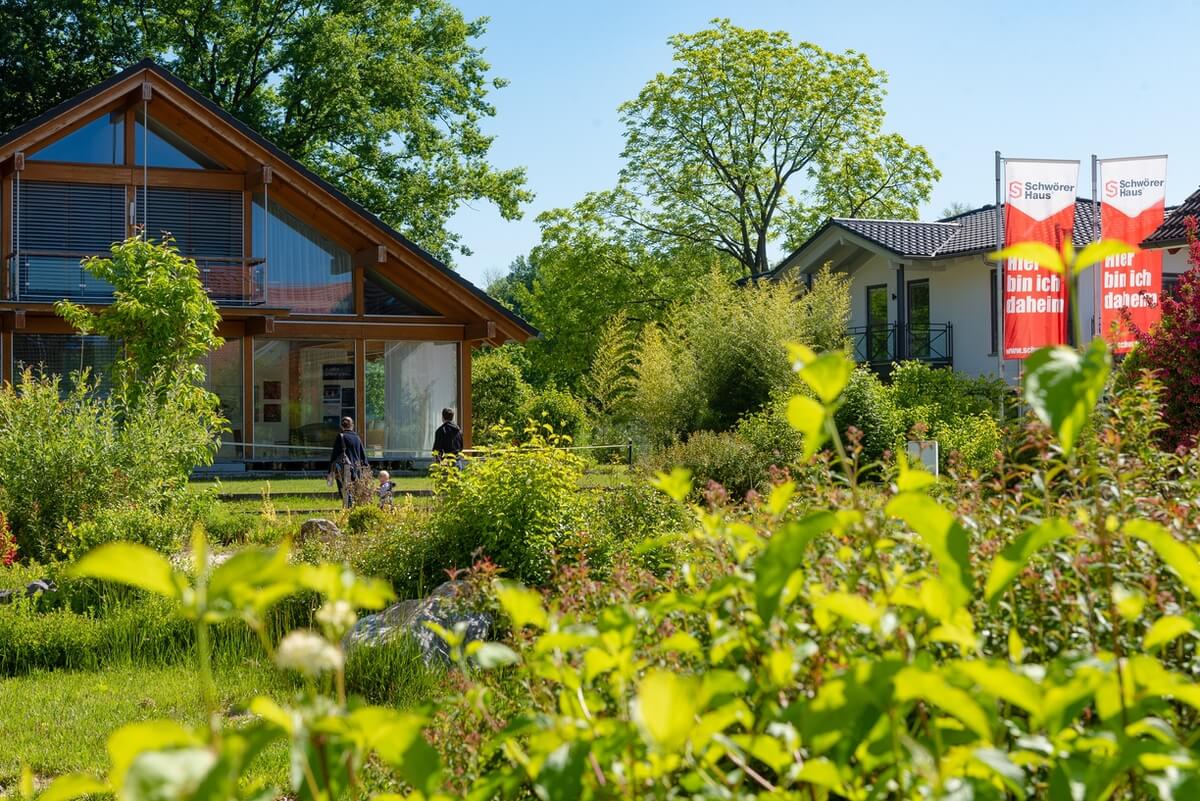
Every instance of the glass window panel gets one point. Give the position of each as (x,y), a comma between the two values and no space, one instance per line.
(56,225)
(223,378)
(101,141)
(302,389)
(66,354)
(408,385)
(306,271)
(878,346)
(383,296)
(167,149)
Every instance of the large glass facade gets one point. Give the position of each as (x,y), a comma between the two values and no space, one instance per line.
(306,270)
(383,296)
(408,385)
(64,355)
(55,227)
(223,370)
(302,389)
(167,149)
(101,141)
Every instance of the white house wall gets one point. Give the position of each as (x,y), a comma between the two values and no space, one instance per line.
(959,294)
(876,271)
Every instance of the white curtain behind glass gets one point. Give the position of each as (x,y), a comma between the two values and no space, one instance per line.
(422,379)
(306,271)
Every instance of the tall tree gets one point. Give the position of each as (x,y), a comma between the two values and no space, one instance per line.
(752,136)
(382,97)
(586,270)
(51,50)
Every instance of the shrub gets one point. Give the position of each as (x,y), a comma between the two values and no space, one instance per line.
(722,354)
(867,405)
(227,526)
(1171,350)
(407,552)
(559,409)
(628,519)
(514,504)
(770,434)
(720,457)
(945,393)
(499,393)
(975,439)
(128,523)
(365,518)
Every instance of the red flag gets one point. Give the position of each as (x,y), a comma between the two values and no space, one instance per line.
(1040,207)
(1133,194)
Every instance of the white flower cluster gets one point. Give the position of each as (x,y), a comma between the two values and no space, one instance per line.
(308,652)
(338,617)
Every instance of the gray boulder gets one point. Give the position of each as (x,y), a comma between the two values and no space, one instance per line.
(408,618)
(319,528)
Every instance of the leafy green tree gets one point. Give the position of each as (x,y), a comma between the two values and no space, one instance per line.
(162,316)
(51,50)
(956,208)
(752,132)
(585,271)
(382,97)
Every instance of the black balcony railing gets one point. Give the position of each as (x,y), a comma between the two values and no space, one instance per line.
(49,275)
(880,345)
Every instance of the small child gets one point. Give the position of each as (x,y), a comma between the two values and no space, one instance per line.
(385,490)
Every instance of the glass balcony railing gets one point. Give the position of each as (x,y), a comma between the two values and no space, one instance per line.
(50,275)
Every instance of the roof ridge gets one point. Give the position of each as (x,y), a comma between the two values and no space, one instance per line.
(882,220)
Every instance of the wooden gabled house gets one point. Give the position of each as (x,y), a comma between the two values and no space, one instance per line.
(326,311)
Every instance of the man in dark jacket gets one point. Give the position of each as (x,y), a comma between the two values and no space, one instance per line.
(448,439)
(348,460)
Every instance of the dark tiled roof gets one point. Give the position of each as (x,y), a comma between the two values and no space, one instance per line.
(961,235)
(1172,232)
(902,236)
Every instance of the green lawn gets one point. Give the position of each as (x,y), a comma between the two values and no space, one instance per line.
(58,721)
(604,476)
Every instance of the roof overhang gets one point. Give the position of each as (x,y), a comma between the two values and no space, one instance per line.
(233,141)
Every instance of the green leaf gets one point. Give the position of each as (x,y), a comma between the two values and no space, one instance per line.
(1009,562)
(166,775)
(396,737)
(784,555)
(72,786)
(1062,387)
(914,683)
(273,713)
(135,565)
(560,777)
(1097,252)
(945,538)
(1039,253)
(1000,681)
(666,709)
(1166,629)
(127,742)
(522,605)
(827,375)
(808,417)
(677,484)
(1177,556)
(490,655)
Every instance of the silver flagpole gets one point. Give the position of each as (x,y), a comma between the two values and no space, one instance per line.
(1097,270)
(999,278)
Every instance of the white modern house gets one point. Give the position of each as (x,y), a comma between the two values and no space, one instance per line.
(926,291)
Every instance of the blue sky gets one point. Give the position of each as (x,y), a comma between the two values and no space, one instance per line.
(1049,79)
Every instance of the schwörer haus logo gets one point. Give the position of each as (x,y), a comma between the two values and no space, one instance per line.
(1131,187)
(1037,190)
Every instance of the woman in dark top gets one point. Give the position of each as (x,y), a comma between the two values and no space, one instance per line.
(347,461)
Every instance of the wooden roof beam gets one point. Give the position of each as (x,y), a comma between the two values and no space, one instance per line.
(371,257)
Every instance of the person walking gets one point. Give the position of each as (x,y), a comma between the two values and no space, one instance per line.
(348,461)
(448,439)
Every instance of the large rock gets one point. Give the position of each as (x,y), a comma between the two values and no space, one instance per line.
(408,618)
(319,528)
(33,588)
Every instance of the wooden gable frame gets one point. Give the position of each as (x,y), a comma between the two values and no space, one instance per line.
(464,312)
